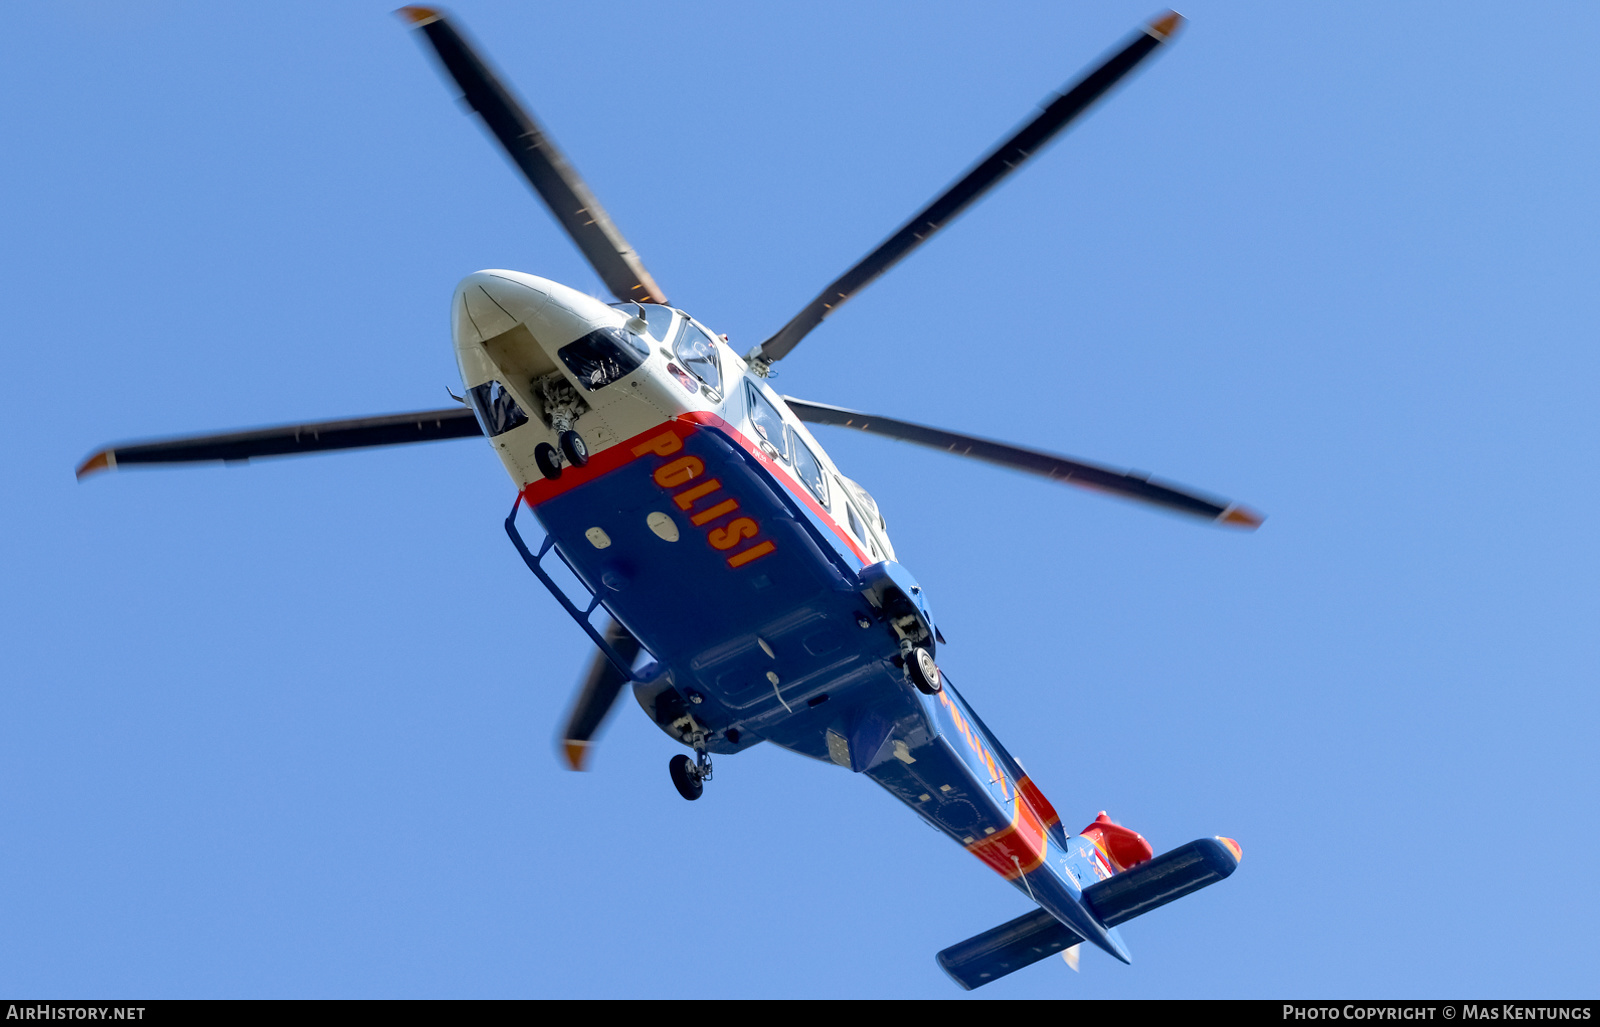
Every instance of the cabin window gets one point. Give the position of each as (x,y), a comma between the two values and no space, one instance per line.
(497,411)
(699,353)
(603,356)
(767,422)
(808,468)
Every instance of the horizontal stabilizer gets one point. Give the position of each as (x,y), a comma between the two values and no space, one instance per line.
(1171,875)
(1006,949)
(1034,936)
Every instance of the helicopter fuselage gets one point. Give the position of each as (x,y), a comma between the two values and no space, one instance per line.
(748,590)
(759,581)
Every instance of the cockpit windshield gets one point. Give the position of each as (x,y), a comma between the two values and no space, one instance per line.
(699,354)
(658,318)
(808,468)
(497,411)
(877,527)
(767,421)
(867,502)
(603,356)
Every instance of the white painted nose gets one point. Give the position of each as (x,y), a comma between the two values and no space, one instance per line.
(491,303)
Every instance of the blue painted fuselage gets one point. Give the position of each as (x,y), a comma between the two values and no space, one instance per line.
(766,623)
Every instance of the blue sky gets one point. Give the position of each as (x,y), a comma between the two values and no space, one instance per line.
(288,729)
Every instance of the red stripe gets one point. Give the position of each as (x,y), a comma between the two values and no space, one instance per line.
(620,455)
(1040,804)
(783,474)
(1019,848)
(542,490)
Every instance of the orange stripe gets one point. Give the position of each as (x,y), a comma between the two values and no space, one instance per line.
(651,441)
(1025,839)
(662,439)
(1030,791)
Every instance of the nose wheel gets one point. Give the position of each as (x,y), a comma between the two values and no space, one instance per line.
(548,460)
(562,406)
(573,448)
(573,451)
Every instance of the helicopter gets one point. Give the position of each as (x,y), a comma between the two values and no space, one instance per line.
(659,464)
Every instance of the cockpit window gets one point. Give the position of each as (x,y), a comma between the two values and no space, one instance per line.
(659,319)
(767,421)
(870,505)
(808,468)
(497,411)
(699,354)
(859,531)
(855,522)
(603,356)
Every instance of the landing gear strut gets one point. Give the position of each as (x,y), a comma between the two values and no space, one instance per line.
(689,777)
(684,778)
(562,406)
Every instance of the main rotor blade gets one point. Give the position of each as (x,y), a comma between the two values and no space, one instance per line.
(290,439)
(1048,465)
(546,169)
(1005,159)
(595,697)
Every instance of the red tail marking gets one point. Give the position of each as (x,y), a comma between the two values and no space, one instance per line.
(1122,848)
(1025,839)
(1040,804)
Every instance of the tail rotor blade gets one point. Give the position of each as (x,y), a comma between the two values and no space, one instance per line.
(598,693)
(1057,468)
(555,180)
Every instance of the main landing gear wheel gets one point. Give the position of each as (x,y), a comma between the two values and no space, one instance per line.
(685,778)
(923,672)
(549,463)
(573,448)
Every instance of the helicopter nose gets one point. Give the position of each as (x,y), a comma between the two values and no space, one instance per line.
(491,303)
